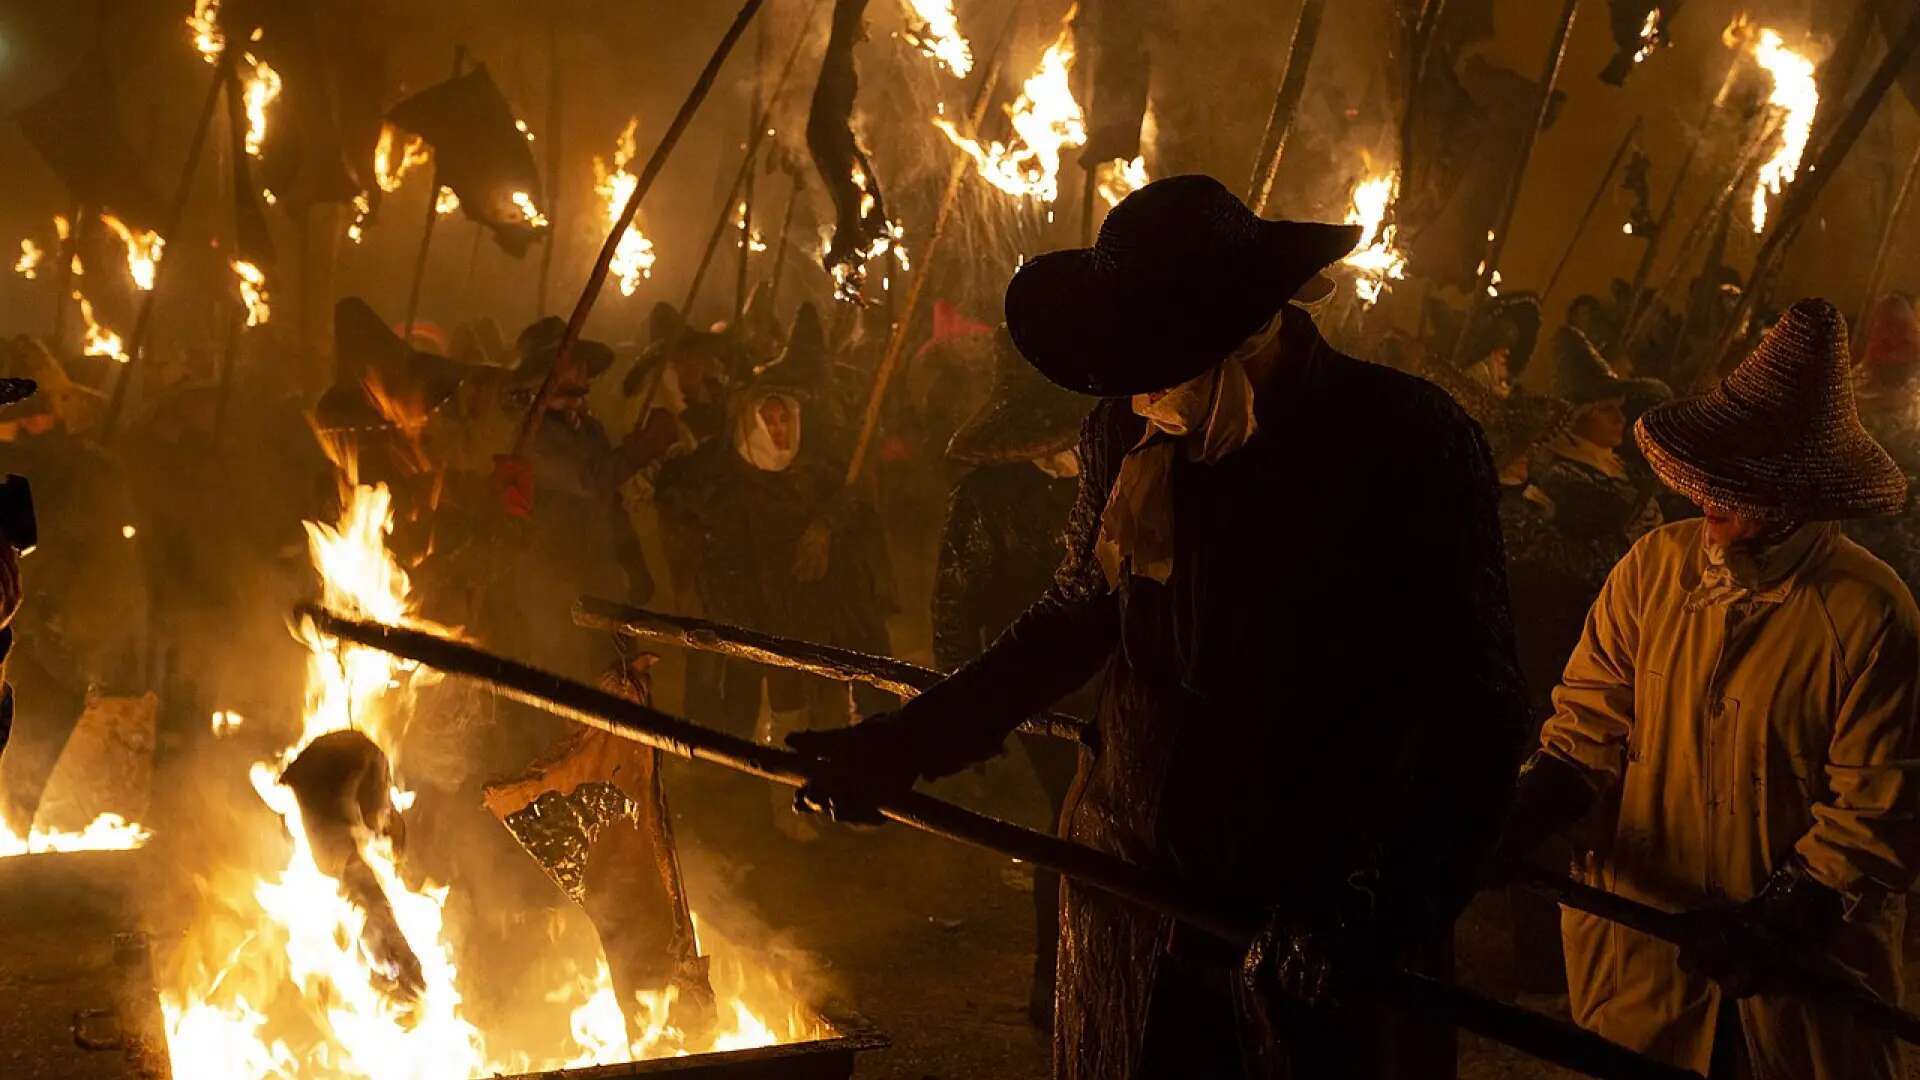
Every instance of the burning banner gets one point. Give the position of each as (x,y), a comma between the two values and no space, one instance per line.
(1046,120)
(481,153)
(100,169)
(1795,94)
(862,230)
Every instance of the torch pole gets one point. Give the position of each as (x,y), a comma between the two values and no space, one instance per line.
(741,277)
(597,278)
(916,286)
(1549,75)
(1593,204)
(1877,280)
(1813,180)
(754,139)
(182,192)
(780,245)
(433,216)
(69,250)
(1286,103)
(1235,926)
(555,115)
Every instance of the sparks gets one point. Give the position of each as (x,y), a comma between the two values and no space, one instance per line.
(208,41)
(143,250)
(1375,261)
(261,89)
(535,219)
(1797,96)
(1120,178)
(1046,120)
(934,30)
(634,257)
(253,291)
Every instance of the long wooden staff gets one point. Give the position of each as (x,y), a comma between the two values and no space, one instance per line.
(1593,204)
(556,83)
(1286,103)
(1232,924)
(916,286)
(433,216)
(530,424)
(1877,280)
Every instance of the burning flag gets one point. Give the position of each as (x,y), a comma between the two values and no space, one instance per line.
(1046,120)
(934,30)
(1375,261)
(633,258)
(143,250)
(387,170)
(862,230)
(1796,95)
(480,152)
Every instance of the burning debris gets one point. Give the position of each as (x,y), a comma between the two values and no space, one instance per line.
(863,231)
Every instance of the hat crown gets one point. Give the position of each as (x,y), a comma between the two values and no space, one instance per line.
(1798,374)
(1177,219)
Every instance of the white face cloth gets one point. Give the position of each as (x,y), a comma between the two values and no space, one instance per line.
(754,442)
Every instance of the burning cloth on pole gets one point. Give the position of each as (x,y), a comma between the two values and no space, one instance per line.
(861,228)
(99,170)
(481,152)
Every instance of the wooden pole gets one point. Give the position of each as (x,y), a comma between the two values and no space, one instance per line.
(1549,75)
(597,278)
(64,275)
(1286,103)
(1806,190)
(433,216)
(1636,298)
(555,117)
(1877,280)
(1593,204)
(916,286)
(780,244)
(1233,925)
(755,107)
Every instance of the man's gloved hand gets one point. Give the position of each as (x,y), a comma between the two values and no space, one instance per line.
(1317,961)
(854,766)
(1550,796)
(1751,948)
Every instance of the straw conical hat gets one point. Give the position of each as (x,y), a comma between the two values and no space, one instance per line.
(1026,417)
(1780,437)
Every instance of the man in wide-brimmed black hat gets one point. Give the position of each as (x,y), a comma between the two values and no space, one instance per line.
(1736,729)
(1287,564)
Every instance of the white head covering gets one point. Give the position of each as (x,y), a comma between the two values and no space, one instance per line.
(754,442)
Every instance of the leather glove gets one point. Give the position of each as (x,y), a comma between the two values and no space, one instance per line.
(1550,796)
(855,766)
(1751,948)
(1319,961)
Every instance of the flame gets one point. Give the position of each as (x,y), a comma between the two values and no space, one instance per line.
(253,291)
(143,250)
(208,41)
(1120,178)
(750,237)
(1797,95)
(99,340)
(386,171)
(28,264)
(1375,261)
(633,258)
(1046,120)
(362,206)
(261,89)
(445,201)
(108,832)
(935,31)
(1650,35)
(535,219)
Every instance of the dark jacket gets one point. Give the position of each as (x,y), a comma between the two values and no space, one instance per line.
(1554,576)
(1324,692)
(1004,537)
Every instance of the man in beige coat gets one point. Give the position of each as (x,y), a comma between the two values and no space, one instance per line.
(1738,729)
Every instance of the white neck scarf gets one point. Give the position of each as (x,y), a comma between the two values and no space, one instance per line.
(1750,572)
(1207,418)
(754,442)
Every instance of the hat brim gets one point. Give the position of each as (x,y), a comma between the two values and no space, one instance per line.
(1089,327)
(1709,451)
(1037,423)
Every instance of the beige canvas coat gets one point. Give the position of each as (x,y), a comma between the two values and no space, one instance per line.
(1725,737)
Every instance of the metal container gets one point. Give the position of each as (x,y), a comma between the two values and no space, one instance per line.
(821,1059)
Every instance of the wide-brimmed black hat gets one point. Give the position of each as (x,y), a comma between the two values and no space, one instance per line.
(1780,437)
(1024,418)
(1581,376)
(539,343)
(1181,274)
(1512,322)
(802,363)
(369,355)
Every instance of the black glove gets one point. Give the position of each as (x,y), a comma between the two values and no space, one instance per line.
(1753,947)
(855,766)
(1318,961)
(1550,796)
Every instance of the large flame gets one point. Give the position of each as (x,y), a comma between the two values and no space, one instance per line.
(1797,95)
(143,250)
(108,832)
(633,258)
(1046,120)
(208,41)
(259,90)
(1375,261)
(99,340)
(389,171)
(253,291)
(934,30)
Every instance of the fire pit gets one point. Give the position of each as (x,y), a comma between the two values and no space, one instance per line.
(818,1059)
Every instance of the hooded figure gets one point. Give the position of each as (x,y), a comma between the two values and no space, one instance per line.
(782,546)
(1736,731)
(1271,544)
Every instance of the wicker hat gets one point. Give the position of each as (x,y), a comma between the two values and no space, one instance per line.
(1780,437)
(1581,376)
(1181,274)
(802,365)
(1513,424)
(1024,418)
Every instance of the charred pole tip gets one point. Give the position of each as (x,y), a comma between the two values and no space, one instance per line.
(1544,1037)
(916,283)
(896,677)
(1286,103)
(597,279)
